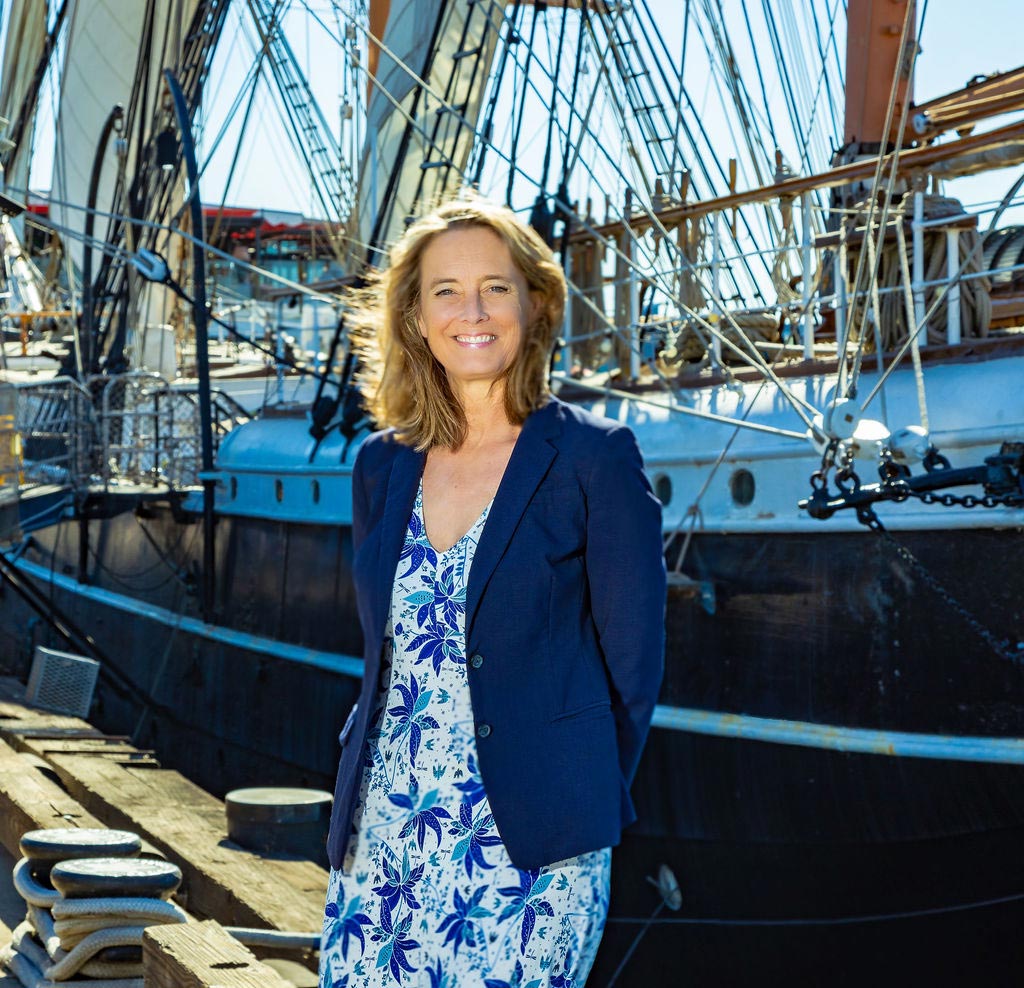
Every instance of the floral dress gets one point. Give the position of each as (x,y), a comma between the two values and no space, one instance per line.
(427,895)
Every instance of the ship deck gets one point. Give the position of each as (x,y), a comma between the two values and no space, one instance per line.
(58,771)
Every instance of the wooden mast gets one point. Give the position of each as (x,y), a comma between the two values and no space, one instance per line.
(873,61)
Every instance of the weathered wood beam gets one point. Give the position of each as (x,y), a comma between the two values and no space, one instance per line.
(201,955)
(914,160)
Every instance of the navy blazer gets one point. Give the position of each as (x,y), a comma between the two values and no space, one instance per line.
(565,624)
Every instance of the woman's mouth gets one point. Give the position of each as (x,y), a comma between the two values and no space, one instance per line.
(476,341)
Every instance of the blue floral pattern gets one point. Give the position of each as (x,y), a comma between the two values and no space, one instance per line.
(427,895)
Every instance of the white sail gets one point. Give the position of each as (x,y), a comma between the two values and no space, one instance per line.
(450,47)
(104,61)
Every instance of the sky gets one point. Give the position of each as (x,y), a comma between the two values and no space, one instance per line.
(955,47)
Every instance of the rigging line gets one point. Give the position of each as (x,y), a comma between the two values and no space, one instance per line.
(875,188)
(567,144)
(255,72)
(915,350)
(822,80)
(628,396)
(454,133)
(784,77)
(286,126)
(649,109)
(60,177)
(701,162)
(792,37)
(417,128)
(522,104)
(726,68)
(760,74)
(545,168)
(693,511)
(758,361)
(126,255)
(830,102)
(678,102)
(511,30)
(702,159)
(940,298)
(754,357)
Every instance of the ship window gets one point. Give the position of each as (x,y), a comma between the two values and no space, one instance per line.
(663,488)
(741,487)
(234,488)
(279,490)
(316,491)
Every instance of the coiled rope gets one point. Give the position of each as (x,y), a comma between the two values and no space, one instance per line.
(61,938)
(975,300)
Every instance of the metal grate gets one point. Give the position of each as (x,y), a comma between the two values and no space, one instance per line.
(61,682)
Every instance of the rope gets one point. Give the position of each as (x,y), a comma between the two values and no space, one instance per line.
(975,301)
(62,938)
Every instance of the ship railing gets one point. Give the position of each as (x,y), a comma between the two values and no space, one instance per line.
(149,431)
(646,286)
(125,429)
(52,422)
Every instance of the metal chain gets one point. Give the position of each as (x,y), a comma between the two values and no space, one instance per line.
(1002,647)
(969,500)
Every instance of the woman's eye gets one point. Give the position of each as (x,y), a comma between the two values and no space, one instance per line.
(500,289)
(443,291)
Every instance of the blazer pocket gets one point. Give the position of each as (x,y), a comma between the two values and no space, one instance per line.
(591,709)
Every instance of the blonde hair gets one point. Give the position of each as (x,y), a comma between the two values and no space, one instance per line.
(403,385)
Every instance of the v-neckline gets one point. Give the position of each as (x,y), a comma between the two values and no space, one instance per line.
(462,538)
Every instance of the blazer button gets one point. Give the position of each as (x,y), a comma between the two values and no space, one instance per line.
(483,731)
(476,660)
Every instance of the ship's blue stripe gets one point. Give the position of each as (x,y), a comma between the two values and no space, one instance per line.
(740,726)
(948,747)
(350,665)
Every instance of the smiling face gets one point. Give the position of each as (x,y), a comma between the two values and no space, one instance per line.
(475,305)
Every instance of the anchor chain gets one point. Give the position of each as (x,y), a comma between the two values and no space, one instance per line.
(1003,479)
(1002,647)
(1001,476)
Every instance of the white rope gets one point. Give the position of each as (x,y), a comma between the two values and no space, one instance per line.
(915,330)
(74,931)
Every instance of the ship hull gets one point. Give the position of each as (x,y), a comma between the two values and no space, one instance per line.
(786,855)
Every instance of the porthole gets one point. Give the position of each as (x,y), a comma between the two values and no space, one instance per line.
(663,488)
(741,487)
(234,488)
(316,491)
(279,490)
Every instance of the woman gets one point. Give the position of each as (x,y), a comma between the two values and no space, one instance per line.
(511,591)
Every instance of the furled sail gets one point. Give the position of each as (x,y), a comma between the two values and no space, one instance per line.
(26,38)
(419,136)
(114,47)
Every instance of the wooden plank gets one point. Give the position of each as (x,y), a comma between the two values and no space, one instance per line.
(31,801)
(201,955)
(189,826)
(118,751)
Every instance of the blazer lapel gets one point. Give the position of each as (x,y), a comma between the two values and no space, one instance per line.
(526,468)
(401,495)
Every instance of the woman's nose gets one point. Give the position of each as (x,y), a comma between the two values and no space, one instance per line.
(475,310)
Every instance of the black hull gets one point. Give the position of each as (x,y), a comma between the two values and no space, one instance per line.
(797,865)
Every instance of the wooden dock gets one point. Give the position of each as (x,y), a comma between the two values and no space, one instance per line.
(58,771)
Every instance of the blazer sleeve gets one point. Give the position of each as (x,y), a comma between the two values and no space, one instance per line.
(626,575)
